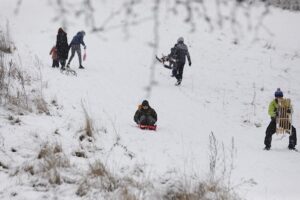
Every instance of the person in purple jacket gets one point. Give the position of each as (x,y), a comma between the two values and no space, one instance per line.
(75,47)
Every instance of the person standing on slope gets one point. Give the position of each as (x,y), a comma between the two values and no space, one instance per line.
(53,53)
(75,47)
(62,47)
(180,51)
(271,129)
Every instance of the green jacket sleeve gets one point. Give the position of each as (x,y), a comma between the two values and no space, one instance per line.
(272,109)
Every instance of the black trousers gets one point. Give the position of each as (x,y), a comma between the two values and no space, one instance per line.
(62,62)
(271,129)
(178,71)
(55,63)
(147,120)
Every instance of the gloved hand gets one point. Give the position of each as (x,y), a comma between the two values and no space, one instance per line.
(84,47)
(289,111)
(190,63)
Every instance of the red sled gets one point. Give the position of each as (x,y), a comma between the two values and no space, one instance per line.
(147,127)
(84,55)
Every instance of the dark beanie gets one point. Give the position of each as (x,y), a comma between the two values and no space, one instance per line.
(278,93)
(145,103)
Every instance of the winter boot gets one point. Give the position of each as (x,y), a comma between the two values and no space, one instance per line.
(267,148)
(291,147)
(178,82)
(81,67)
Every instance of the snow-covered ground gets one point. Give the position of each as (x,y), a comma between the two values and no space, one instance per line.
(226,91)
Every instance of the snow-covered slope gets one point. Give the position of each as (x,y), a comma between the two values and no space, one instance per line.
(226,91)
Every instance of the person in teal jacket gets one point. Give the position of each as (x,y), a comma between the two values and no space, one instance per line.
(75,47)
(271,129)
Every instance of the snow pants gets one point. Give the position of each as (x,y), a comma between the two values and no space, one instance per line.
(178,71)
(147,120)
(75,48)
(55,63)
(271,129)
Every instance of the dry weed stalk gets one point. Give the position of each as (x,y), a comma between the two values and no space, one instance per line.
(89,125)
(15,82)
(51,161)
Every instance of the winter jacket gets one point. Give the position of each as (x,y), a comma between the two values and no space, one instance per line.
(53,52)
(78,39)
(180,50)
(273,108)
(62,44)
(147,112)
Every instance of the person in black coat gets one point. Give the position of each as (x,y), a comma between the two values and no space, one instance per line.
(62,47)
(145,115)
(180,51)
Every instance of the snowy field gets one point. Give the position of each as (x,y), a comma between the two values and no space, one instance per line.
(226,92)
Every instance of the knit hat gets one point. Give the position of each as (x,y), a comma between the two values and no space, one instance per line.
(278,93)
(180,39)
(145,103)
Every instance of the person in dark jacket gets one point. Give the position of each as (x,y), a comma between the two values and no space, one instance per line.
(180,51)
(145,115)
(75,47)
(271,129)
(62,47)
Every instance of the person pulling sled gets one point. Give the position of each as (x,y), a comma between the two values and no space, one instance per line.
(177,59)
(145,116)
(75,47)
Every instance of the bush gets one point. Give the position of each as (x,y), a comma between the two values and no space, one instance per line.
(17,90)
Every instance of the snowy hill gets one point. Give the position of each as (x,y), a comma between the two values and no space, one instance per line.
(226,92)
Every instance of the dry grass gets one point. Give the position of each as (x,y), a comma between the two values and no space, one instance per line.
(218,183)
(46,169)
(216,186)
(51,160)
(89,125)
(41,105)
(6,45)
(99,177)
(16,82)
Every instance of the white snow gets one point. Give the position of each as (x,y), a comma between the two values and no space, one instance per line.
(226,91)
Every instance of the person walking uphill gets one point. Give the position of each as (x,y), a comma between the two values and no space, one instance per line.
(145,115)
(75,47)
(271,129)
(180,52)
(62,47)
